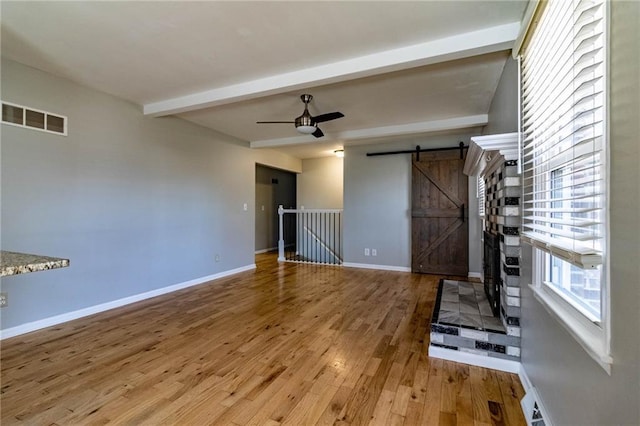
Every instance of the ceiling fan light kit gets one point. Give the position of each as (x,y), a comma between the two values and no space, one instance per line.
(306,129)
(306,123)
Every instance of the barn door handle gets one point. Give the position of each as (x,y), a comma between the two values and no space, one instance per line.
(462,213)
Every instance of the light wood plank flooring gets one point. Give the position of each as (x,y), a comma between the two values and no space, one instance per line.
(285,344)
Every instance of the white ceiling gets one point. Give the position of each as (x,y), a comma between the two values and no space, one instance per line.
(393,68)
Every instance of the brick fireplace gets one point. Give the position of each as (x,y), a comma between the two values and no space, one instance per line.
(502,205)
(493,158)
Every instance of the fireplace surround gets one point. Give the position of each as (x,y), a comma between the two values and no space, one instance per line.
(458,332)
(491,271)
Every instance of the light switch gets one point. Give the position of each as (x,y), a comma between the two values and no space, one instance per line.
(245,207)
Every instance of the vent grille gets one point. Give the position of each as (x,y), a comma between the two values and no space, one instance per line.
(534,412)
(30,118)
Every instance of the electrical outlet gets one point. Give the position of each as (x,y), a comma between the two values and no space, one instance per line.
(366,252)
(374,252)
(217,258)
(4,300)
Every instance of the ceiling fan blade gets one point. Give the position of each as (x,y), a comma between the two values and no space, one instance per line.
(328,117)
(275,122)
(318,133)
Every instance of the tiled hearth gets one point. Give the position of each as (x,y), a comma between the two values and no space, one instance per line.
(463,321)
(463,327)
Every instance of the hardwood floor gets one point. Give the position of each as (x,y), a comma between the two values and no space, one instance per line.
(285,344)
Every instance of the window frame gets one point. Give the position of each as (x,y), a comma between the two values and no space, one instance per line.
(592,334)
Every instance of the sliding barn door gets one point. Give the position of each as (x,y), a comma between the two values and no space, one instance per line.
(439,209)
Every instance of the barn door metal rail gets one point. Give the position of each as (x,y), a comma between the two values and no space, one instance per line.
(461,146)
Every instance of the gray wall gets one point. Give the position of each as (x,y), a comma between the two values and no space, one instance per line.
(574,389)
(503,113)
(269,196)
(320,185)
(136,203)
(377,200)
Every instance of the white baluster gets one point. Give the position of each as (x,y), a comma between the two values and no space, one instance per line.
(281,234)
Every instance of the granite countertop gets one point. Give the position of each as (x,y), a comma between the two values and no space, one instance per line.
(13,263)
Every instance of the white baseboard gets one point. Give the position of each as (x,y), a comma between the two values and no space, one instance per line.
(534,409)
(267,250)
(69,316)
(476,275)
(473,359)
(524,378)
(531,397)
(379,267)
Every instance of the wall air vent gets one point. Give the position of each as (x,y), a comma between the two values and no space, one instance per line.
(30,118)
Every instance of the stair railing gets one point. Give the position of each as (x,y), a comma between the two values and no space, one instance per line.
(310,236)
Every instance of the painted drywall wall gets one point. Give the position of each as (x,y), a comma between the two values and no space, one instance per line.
(377,200)
(574,389)
(136,203)
(503,113)
(320,185)
(273,188)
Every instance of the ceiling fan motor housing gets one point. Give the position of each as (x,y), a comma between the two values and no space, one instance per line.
(305,119)
(305,123)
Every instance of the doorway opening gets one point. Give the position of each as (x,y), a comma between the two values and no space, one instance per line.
(274,187)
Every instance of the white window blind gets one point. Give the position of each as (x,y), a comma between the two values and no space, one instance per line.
(481,196)
(563,105)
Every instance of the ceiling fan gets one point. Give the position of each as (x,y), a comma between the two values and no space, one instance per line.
(306,123)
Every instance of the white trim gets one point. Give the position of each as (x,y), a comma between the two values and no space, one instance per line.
(524,378)
(69,316)
(486,151)
(605,287)
(519,123)
(476,275)
(594,338)
(379,267)
(303,210)
(531,398)
(527,20)
(487,40)
(473,359)
(267,250)
(587,334)
(529,389)
(557,294)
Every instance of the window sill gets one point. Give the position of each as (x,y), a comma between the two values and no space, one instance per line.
(589,335)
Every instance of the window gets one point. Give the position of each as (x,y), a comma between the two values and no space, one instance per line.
(563,95)
(580,285)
